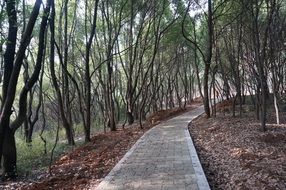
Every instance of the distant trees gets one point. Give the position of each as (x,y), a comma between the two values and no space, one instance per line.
(241,49)
(248,50)
(66,123)
(114,63)
(206,53)
(103,63)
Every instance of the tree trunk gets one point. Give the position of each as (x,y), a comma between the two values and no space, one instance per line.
(206,90)
(87,72)
(9,153)
(67,127)
(130,117)
(7,139)
(208,59)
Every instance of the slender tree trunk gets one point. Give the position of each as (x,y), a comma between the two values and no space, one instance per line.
(208,59)
(197,65)
(66,125)
(66,92)
(87,73)
(129,92)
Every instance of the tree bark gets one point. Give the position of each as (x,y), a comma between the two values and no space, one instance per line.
(208,59)
(7,130)
(66,125)
(87,74)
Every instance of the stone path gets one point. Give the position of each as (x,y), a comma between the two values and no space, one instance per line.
(163,158)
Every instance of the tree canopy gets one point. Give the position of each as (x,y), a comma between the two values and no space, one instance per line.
(108,63)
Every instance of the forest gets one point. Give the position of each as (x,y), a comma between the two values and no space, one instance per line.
(73,68)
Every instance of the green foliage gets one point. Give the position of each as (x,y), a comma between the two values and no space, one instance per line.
(142,65)
(31,156)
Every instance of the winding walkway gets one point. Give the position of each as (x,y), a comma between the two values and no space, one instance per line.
(163,158)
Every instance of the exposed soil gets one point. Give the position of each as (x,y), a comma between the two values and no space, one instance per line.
(86,166)
(236,154)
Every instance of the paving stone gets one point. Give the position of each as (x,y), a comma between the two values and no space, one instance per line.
(161,159)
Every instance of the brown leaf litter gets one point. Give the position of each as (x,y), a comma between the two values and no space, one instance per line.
(237,155)
(86,166)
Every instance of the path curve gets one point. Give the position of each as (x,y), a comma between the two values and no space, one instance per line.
(163,158)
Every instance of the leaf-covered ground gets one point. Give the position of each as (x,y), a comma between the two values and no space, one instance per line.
(86,166)
(236,154)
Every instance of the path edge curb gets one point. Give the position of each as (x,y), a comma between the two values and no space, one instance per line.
(199,172)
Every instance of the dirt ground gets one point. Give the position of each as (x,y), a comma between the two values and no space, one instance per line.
(236,154)
(86,166)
